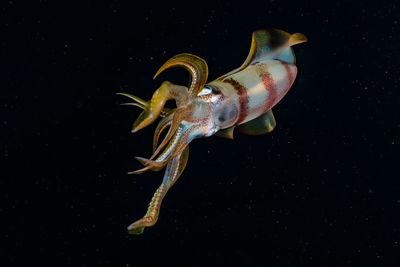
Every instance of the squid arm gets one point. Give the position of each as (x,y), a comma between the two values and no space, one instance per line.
(174,169)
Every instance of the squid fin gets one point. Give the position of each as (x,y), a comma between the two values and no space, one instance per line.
(261,125)
(286,54)
(226,133)
(270,44)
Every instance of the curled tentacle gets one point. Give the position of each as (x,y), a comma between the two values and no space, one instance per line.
(195,65)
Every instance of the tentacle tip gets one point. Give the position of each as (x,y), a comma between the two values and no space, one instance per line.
(136,127)
(127,104)
(135,231)
(140,171)
(144,161)
(136,172)
(157,73)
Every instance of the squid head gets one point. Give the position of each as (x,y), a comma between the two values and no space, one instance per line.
(189,120)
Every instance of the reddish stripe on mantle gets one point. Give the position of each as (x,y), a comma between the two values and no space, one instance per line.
(243,98)
(270,87)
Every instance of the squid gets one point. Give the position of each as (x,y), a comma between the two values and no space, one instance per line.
(241,99)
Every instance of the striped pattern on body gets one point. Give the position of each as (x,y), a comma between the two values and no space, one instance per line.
(259,87)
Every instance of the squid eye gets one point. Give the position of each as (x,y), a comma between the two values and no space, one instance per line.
(209,90)
(214,90)
(205,91)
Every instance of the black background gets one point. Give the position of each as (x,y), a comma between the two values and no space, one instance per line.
(323,189)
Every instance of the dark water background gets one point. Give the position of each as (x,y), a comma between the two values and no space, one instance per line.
(323,189)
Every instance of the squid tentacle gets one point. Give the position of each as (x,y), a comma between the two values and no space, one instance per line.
(142,104)
(195,65)
(155,107)
(174,170)
(176,119)
(181,138)
(162,125)
(156,104)
(152,109)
